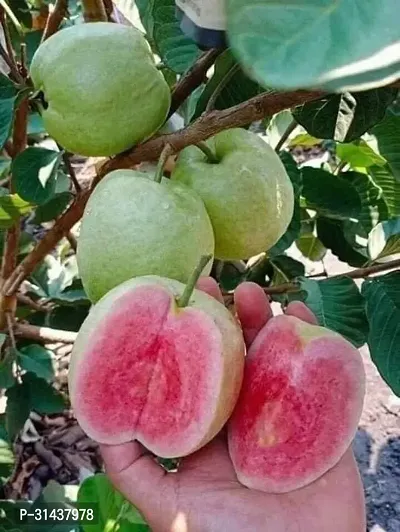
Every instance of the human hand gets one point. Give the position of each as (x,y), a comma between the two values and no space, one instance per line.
(205,495)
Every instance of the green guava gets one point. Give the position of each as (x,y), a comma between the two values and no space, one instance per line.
(102,92)
(134,226)
(247,192)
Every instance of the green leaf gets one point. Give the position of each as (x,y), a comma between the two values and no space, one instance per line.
(382,295)
(344,117)
(53,208)
(237,87)
(12,207)
(311,247)
(34,174)
(329,195)
(331,234)
(6,458)
(113,508)
(333,45)
(7,378)
(17,410)
(339,306)
(383,178)
(293,230)
(387,134)
(36,359)
(8,94)
(359,155)
(384,240)
(176,50)
(285,269)
(42,396)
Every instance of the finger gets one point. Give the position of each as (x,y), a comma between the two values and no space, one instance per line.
(210,286)
(301,311)
(253,309)
(133,471)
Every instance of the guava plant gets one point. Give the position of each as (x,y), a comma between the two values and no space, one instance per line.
(287,149)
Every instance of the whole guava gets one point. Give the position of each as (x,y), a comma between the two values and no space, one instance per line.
(134,226)
(247,192)
(102,92)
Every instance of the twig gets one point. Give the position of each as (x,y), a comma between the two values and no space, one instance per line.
(359,273)
(10,330)
(165,154)
(72,241)
(192,79)
(10,14)
(340,167)
(70,170)
(220,87)
(56,16)
(8,55)
(286,134)
(25,300)
(44,334)
(94,11)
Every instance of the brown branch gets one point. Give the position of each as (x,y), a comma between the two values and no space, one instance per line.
(56,16)
(94,11)
(60,229)
(8,55)
(359,273)
(192,79)
(44,334)
(209,124)
(8,304)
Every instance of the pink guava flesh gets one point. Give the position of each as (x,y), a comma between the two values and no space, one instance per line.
(298,409)
(152,373)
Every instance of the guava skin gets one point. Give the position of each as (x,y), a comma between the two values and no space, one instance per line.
(144,368)
(133,226)
(101,87)
(248,194)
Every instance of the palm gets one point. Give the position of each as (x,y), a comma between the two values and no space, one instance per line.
(205,495)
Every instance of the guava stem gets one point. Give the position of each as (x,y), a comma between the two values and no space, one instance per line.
(183,301)
(211,157)
(167,152)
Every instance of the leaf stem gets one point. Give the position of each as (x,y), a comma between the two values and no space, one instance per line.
(183,301)
(211,157)
(165,154)
(286,134)
(220,87)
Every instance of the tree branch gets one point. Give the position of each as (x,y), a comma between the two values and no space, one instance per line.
(359,273)
(56,16)
(192,79)
(209,124)
(94,11)
(44,334)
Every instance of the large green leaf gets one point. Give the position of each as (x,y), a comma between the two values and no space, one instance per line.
(382,295)
(38,360)
(359,155)
(34,174)
(387,134)
(330,195)
(8,94)
(293,230)
(384,240)
(383,178)
(231,82)
(52,208)
(17,409)
(339,306)
(176,50)
(339,46)
(116,514)
(331,233)
(12,207)
(344,117)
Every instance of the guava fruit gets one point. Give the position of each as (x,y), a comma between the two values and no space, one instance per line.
(102,92)
(134,226)
(145,368)
(298,410)
(247,192)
